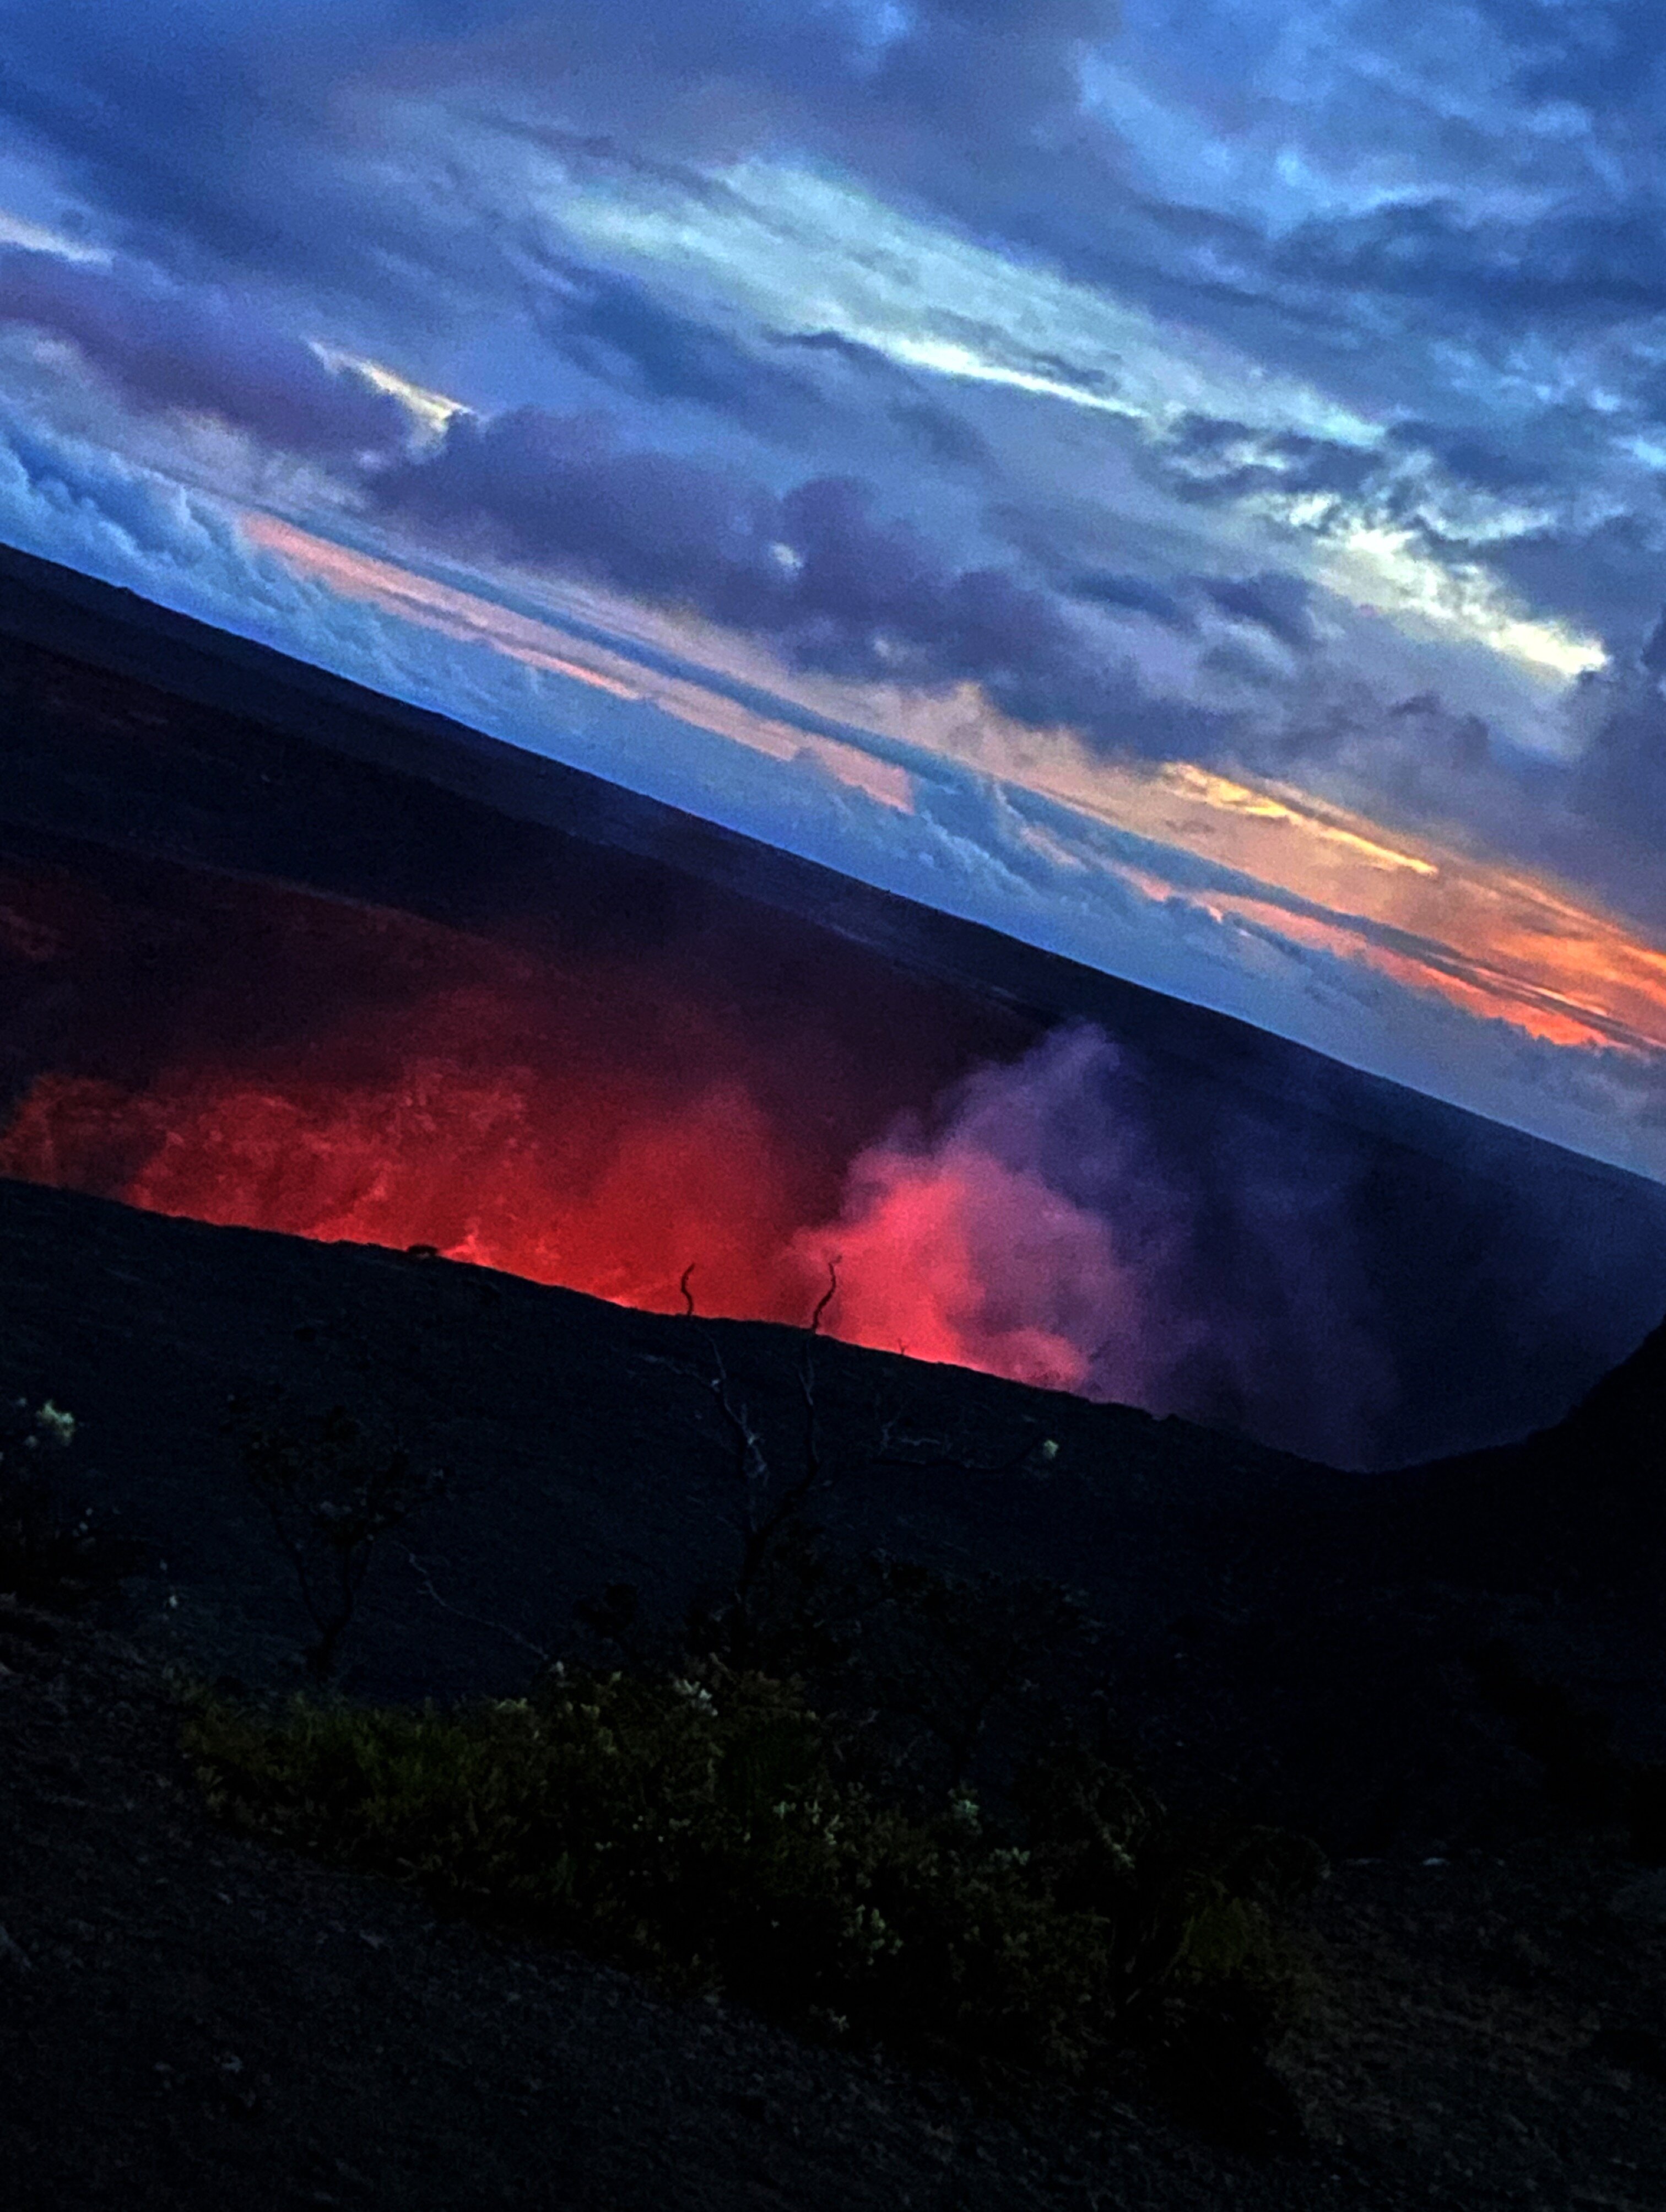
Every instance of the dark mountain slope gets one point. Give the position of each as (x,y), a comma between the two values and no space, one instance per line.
(189,2019)
(1278,1629)
(1579,1505)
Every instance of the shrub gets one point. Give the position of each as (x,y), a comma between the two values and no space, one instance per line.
(700,1828)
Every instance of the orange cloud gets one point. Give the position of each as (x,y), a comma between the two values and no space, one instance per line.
(476,620)
(1502,944)
(1497,941)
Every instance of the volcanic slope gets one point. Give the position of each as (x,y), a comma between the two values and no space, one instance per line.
(191,2018)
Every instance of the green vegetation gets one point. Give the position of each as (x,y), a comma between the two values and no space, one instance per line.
(701,1827)
(875,1800)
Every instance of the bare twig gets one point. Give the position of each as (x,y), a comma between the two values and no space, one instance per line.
(688,1295)
(330,1491)
(771,1527)
(812,1475)
(826,1297)
(765,1517)
(750,1464)
(475,1619)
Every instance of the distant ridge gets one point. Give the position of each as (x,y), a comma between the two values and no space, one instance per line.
(1582,1500)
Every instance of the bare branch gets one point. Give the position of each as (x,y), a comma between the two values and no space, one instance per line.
(750,1464)
(475,1619)
(826,1297)
(330,1489)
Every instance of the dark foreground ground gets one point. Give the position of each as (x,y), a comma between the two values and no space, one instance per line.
(190,2020)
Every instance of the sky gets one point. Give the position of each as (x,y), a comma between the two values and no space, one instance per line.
(1180,485)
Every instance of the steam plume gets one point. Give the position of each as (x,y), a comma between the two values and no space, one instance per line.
(1040,1227)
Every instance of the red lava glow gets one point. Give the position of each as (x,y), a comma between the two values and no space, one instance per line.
(953,1256)
(584,1120)
(426,1128)
(417,1133)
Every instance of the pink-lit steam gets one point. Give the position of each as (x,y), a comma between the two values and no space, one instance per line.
(955,1246)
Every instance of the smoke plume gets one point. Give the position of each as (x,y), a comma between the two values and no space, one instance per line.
(1040,1225)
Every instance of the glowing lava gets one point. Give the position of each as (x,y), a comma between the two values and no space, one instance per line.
(606,1121)
(434,1125)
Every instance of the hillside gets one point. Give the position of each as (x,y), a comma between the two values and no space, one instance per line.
(192,2016)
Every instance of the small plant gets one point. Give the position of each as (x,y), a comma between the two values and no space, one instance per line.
(956,1677)
(700,1828)
(49,1557)
(331,1488)
(850,1791)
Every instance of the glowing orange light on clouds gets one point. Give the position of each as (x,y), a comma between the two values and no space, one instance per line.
(1486,993)
(474,620)
(1502,943)
(1494,940)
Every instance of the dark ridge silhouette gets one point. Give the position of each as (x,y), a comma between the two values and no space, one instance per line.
(1317,1616)
(1583,1500)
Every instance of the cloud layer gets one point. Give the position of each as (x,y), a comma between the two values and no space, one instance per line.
(168,348)
(1054,389)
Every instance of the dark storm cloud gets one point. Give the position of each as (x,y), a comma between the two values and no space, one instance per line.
(232,133)
(1606,575)
(1470,455)
(188,121)
(1137,595)
(1617,791)
(1209,457)
(815,570)
(977,76)
(1596,818)
(225,142)
(559,490)
(166,123)
(615,328)
(1279,605)
(168,346)
(1577,267)
(1406,207)
(1622,775)
(1423,759)
(224,125)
